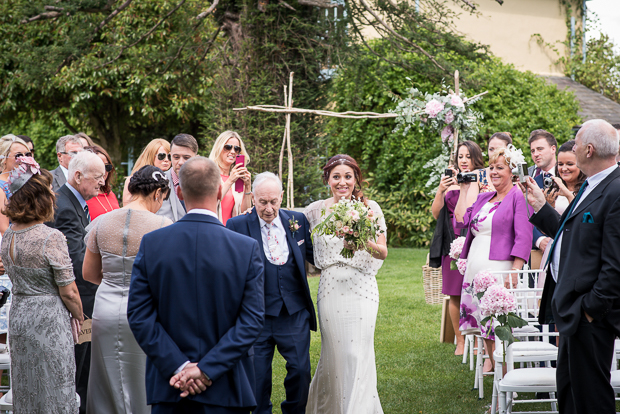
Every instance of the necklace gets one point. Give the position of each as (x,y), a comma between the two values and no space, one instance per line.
(102,206)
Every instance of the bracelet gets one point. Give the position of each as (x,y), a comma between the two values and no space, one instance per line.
(250,193)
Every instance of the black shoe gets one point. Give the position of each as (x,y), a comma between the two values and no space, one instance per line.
(543,396)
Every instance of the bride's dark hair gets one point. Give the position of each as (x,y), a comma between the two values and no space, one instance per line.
(343,159)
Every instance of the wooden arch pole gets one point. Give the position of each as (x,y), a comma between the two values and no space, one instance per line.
(456,131)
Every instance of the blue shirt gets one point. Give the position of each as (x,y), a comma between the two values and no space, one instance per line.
(77,195)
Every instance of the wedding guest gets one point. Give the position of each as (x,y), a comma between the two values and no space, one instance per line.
(85,139)
(224,153)
(345,380)
(182,148)
(156,153)
(499,236)
(106,200)
(66,148)
(28,142)
(468,158)
(11,149)
(568,178)
(117,369)
(37,260)
(86,172)
(499,140)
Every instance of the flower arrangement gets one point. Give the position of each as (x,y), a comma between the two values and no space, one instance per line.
(352,221)
(497,303)
(442,113)
(461,264)
(456,247)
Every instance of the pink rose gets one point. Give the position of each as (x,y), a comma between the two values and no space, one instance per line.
(371,213)
(433,107)
(449,117)
(350,231)
(456,100)
(345,229)
(447,133)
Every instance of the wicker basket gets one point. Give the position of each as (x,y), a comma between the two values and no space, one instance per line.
(431,279)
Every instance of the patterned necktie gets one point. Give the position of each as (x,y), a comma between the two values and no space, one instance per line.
(86,212)
(572,207)
(274,246)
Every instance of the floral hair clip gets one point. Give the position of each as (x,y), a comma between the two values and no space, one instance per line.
(26,168)
(513,156)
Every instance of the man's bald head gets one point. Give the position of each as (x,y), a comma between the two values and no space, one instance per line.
(199,179)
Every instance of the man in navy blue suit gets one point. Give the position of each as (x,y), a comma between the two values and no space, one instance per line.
(284,237)
(196,305)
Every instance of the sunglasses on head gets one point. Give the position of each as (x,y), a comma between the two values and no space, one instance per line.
(229,147)
(109,167)
(162,156)
(19,154)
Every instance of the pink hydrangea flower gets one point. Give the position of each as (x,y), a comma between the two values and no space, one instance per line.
(497,301)
(433,107)
(449,117)
(456,247)
(447,133)
(456,100)
(483,281)
(461,264)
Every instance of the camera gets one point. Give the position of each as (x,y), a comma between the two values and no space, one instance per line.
(549,182)
(466,178)
(448,172)
(520,172)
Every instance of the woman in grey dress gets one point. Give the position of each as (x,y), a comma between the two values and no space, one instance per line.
(116,383)
(36,258)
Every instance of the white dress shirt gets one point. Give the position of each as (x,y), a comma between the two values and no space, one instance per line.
(277,230)
(64,171)
(593,181)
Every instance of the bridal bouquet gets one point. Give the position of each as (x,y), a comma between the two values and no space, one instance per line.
(352,221)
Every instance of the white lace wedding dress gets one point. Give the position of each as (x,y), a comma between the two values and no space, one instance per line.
(345,381)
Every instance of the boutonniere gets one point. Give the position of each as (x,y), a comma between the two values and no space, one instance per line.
(293,225)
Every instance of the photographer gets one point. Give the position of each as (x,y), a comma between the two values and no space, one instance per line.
(561,189)
(467,159)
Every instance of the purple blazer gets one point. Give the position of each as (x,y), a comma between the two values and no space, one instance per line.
(511,234)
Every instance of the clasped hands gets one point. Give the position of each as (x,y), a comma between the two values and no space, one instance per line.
(191,380)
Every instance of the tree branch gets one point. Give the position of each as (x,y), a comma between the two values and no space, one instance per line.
(324,4)
(64,120)
(473,7)
(42,16)
(209,10)
(285,4)
(112,15)
(144,36)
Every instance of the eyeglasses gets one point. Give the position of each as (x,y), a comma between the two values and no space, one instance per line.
(109,167)
(19,154)
(70,153)
(229,147)
(162,156)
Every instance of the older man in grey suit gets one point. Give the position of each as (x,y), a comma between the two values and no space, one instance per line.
(182,148)
(66,148)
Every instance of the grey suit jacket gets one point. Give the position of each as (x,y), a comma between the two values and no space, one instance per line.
(530,170)
(59,178)
(172,207)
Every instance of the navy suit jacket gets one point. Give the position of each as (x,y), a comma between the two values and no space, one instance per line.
(196,295)
(299,244)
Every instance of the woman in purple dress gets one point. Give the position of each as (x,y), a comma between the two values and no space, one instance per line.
(468,159)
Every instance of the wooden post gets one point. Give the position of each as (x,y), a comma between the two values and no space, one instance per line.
(283,140)
(290,202)
(456,132)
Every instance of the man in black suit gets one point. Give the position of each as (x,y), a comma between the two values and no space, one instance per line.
(86,172)
(585,261)
(284,237)
(66,148)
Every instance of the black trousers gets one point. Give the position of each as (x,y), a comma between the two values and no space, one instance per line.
(82,357)
(186,406)
(583,370)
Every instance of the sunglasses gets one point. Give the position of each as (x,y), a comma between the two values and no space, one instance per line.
(70,153)
(162,156)
(229,147)
(109,167)
(19,154)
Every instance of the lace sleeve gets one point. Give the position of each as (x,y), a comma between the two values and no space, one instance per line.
(378,212)
(314,213)
(91,236)
(56,252)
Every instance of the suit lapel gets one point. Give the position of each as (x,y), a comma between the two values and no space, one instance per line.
(293,247)
(596,193)
(254,227)
(76,205)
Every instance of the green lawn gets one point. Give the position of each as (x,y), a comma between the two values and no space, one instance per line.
(416,373)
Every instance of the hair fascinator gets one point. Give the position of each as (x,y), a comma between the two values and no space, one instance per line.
(513,156)
(26,168)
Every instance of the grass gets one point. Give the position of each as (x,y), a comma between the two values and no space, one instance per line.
(416,373)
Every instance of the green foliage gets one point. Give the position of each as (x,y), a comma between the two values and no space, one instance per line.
(517,102)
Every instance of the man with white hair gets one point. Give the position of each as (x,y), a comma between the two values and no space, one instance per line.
(85,178)
(289,312)
(66,148)
(585,261)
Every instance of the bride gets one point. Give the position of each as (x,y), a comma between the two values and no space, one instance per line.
(345,381)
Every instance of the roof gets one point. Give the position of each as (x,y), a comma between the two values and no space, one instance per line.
(593,104)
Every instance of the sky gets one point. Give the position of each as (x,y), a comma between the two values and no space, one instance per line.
(608,12)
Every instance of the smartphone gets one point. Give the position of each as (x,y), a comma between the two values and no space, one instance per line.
(448,172)
(239,183)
